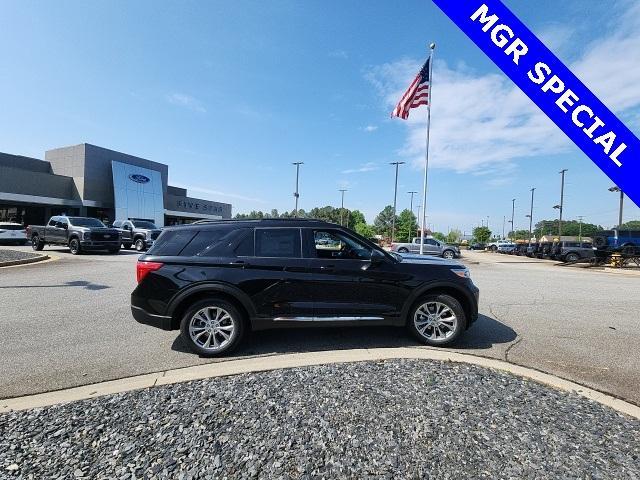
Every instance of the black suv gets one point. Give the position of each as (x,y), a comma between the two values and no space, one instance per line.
(215,280)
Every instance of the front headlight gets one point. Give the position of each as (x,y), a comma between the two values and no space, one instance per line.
(462,272)
(149,235)
(86,235)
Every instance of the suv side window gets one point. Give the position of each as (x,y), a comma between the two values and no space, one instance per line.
(172,242)
(278,242)
(334,244)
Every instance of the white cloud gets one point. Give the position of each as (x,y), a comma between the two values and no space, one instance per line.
(484,122)
(218,193)
(370,128)
(365,167)
(186,101)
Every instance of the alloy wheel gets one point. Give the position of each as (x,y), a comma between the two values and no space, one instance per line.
(139,245)
(212,328)
(435,321)
(448,254)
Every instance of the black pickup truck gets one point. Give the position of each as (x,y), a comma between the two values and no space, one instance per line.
(78,233)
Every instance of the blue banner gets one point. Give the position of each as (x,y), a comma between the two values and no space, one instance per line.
(552,87)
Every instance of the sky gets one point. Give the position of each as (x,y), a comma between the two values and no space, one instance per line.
(230,93)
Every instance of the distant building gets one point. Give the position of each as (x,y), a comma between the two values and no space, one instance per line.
(87,180)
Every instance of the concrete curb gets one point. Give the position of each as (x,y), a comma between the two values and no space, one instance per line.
(25,261)
(261,364)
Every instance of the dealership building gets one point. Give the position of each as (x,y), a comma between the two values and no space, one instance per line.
(86,180)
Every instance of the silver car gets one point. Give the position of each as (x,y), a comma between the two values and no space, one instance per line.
(431,247)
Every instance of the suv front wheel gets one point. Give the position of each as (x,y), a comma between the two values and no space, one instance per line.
(212,327)
(437,320)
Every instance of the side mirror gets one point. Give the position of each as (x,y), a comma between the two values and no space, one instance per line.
(377,257)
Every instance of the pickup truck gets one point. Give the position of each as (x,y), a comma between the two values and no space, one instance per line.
(78,233)
(139,233)
(431,247)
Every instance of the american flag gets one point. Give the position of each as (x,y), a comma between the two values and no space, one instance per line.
(417,94)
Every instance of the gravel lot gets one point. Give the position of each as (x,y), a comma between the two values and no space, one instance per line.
(11,255)
(393,419)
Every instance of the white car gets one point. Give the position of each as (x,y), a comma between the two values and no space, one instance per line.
(13,233)
(494,246)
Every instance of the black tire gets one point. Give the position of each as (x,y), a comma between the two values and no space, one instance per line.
(403,250)
(237,318)
(114,250)
(449,254)
(126,246)
(453,304)
(571,257)
(494,248)
(36,244)
(74,246)
(629,250)
(140,245)
(600,241)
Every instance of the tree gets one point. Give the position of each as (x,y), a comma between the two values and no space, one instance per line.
(454,236)
(439,236)
(632,225)
(365,230)
(406,226)
(384,221)
(569,228)
(482,234)
(356,217)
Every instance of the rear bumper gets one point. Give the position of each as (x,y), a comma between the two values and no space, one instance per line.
(158,321)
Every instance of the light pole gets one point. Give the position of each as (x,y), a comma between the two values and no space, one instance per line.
(513,211)
(395,198)
(412,194)
(562,172)
(487,222)
(580,228)
(531,216)
(504,221)
(296,194)
(418,207)
(342,190)
(617,189)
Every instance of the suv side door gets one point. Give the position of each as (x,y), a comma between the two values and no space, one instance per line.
(345,283)
(279,275)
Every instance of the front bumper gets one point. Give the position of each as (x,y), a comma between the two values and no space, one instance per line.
(99,244)
(158,321)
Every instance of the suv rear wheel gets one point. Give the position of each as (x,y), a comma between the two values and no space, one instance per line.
(212,327)
(572,257)
(437,320)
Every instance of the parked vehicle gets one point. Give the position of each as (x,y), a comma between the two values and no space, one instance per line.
(493,246)
(477,246)
(12,233)
(532,249)
(431,247)
(573,250)
(626,241)
(214,281)
(78,233)
(506,247)
(139,233)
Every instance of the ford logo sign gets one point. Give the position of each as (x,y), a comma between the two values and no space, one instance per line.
(136,177)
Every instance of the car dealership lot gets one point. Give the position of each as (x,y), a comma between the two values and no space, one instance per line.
(67,322)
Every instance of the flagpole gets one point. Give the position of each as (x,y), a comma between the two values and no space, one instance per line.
(426,154)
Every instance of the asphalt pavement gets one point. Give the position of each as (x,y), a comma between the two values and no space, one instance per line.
(67,322)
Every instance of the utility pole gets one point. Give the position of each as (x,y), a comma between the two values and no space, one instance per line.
(562,172)
(513,211)
(342,190)
(412,194)
(580,228)
(504,221)
(297,194)
(618,189)
(418,207)
(395,198)
(531,216)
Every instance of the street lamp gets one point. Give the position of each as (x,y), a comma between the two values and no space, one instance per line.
(395,198)
(412,193)
(342,190)
(531,216)
(562,172)
(513,211)
(296,194)
(617,189)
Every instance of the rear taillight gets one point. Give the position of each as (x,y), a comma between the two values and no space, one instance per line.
(143,269)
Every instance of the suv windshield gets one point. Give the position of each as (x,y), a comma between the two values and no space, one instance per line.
(85,222)
(144,224)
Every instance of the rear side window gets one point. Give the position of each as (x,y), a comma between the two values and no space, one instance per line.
(172,242)
(278,242)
